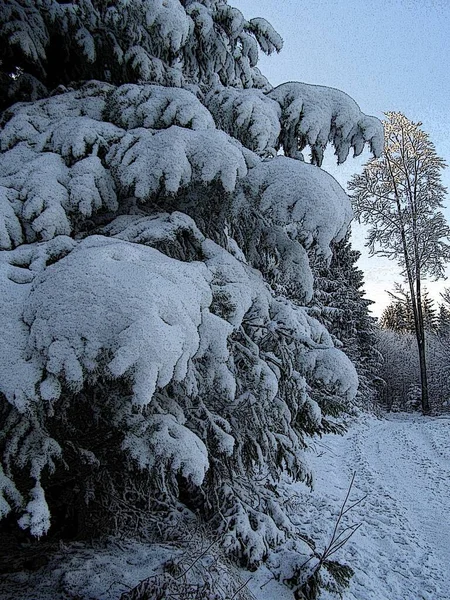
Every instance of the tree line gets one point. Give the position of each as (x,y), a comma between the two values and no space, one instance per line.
(400,367)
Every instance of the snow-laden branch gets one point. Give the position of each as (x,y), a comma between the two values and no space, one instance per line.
(247,115)
(315,115)
(156,107)
(146,162)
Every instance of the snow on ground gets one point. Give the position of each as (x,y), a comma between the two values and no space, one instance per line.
(402,463)
(400,552)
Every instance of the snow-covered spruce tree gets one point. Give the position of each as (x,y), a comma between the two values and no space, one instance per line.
(397,316)
(443,320)
(339,303)
(155,260)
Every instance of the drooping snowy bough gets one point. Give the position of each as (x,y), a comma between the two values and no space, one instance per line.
(155,265)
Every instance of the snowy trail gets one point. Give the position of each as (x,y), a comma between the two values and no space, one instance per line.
(417,463)
(402,463)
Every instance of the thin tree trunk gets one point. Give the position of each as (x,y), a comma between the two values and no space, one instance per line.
(420,335)
(415,290)
(420,330)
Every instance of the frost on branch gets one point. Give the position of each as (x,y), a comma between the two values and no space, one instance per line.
(91,187)
(37,515)
(174,234)
(224,43)
(50,174)
(41,186)
(268,39)
(161,441)
(10,228)
(168,43)
(153,24)
(27,121)
(314,115)
(77,137)
(150,68)
(40,195)
(285,190)
(156,33)
(9,495)
(23,26)
(20,376)
(29,450)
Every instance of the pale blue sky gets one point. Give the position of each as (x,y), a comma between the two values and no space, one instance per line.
(387,55)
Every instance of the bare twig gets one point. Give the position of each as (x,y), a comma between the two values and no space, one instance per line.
(337,540)
(197,559)
(240,588)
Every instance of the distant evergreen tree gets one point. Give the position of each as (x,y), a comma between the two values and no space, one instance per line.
(339,298)
(430,315)
(443,317)
(398,316)
(400,369)
(443,320)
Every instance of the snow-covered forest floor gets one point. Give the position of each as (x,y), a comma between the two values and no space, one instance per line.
(400,552)
(402,464)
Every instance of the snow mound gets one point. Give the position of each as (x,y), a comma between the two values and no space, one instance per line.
(40,195)
(136,317)
(27,121)
(284,190)
(77,137)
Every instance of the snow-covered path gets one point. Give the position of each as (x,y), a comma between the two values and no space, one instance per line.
(402,463)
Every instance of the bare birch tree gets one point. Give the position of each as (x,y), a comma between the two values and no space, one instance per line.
(399,196)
